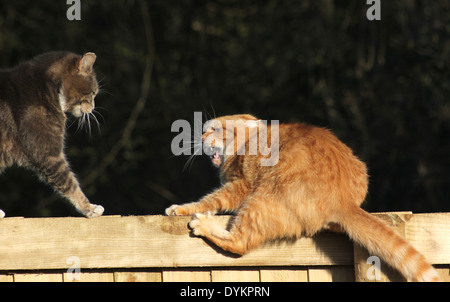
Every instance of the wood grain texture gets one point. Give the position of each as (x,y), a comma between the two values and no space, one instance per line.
(145,241)
(161,249)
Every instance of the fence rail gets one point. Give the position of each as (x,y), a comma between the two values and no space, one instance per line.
(160,248)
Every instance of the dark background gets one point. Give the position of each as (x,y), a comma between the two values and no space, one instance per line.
(383,87)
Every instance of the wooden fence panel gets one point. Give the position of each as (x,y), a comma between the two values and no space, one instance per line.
(145,241)
(284,274)
(160,249)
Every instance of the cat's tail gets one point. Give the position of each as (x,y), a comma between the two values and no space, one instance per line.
(381,240)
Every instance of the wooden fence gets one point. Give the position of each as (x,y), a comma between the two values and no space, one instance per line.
(160,249)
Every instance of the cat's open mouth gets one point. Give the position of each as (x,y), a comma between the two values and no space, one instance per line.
(215,157)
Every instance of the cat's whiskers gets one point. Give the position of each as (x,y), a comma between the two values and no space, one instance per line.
(73,122)
(196,145)
(207,114)
(80,123)
(96,121)
(100,88)
(89,124)
(85,122)
(191,158)
(95,111)
(193,144)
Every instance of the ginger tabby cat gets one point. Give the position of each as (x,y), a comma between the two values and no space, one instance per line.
(316,182)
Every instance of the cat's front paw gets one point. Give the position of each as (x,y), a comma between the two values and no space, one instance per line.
(95,211)
(201,223)
(172,210)
(2,214)
(177,210)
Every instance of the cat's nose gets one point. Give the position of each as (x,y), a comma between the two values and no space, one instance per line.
(86,108)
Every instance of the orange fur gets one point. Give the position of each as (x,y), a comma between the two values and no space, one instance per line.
(316,182)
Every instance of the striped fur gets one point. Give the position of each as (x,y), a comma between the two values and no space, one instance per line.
(34,97)
(317,181)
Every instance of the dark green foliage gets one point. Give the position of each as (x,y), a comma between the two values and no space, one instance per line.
(382,86)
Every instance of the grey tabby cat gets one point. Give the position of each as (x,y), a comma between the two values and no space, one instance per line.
(34,97)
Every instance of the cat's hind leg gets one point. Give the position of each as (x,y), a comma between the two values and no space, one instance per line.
(236,240)
(250,228)
(204,225)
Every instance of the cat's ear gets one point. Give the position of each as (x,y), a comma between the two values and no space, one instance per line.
(86,63)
